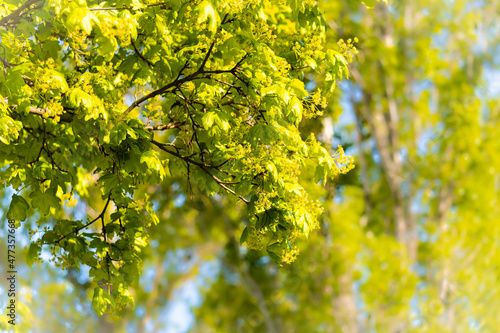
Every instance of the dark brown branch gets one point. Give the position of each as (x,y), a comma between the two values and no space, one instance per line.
(43,140)
(195,134)
(163,127)
(100,216)
(158,92)
(64,117)
(206,57)
(178,81)
(149,63)
(124,8)
(203,167)
(68,118)
(16,13)
(5,63)
(41,111)
(220,165)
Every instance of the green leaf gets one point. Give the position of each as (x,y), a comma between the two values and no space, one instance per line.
(295,110)
(320,174)
(298,88)
(221,119)
(57,80)
(268,218)
(86,22)
(42,170)
(208,119)
(311,63)
(100,301)
(14,82)
(244,236)
(265,133)
(208,12)
(273,172)
(109,182)
(118,134)
(126,297)
(330,81)
(43,201)
(107,46)
(295,188)
(9,129)
(18,208)
(33,253)
(150,158)
(79,98)
(274,252)
(81,17)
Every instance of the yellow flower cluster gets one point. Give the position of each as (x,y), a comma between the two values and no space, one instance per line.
(44,84)
(54,109)
(289,256)
(264,31)
(344,162)
(314,107)
(119,28)
(255,240)
(348,49)
(77,39)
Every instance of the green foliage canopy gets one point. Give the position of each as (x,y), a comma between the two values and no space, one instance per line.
(116,94)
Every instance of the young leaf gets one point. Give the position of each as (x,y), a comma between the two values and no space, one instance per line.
(18,208)
(100,300)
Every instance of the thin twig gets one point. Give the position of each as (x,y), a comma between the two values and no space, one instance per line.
(162,127)
(178,81)
(17,12)
(124,8)
(101,215)
(149,63)
(204,168)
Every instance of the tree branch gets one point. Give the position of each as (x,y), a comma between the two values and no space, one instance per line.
(5,63)
(124,8)
(162,127)
(64,117)
(41,111)
(68,118)
(16,13)
(203,167)
(178,81)
(206,57)
(159,91)
(149,63)
(100,216)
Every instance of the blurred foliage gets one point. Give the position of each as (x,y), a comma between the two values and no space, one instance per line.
(408,240)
